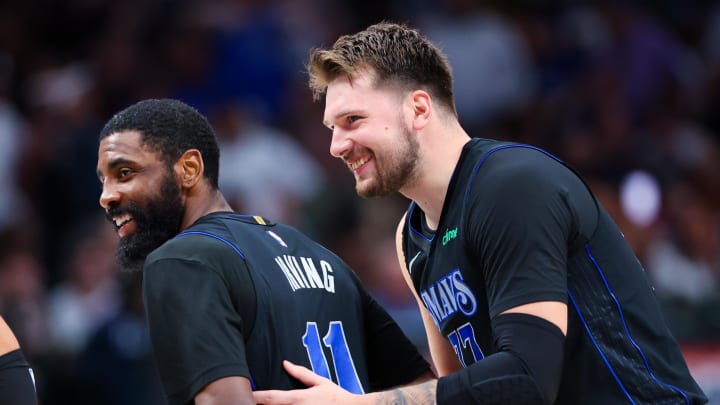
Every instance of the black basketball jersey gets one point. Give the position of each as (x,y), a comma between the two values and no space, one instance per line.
(234,295)
(517,227)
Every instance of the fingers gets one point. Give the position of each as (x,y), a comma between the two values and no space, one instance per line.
(324,391)
(273,397)
(305,375)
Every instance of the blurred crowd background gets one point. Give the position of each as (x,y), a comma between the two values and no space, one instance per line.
(626,92)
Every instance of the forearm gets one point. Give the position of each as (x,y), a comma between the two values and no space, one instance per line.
(227,390)
(525,371)
(323,391)
(417,394)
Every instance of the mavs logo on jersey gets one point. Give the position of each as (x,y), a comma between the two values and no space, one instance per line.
(449,295)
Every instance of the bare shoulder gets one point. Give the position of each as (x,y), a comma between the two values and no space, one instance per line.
(8,341)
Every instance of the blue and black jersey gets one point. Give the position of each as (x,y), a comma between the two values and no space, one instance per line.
(518,226)
(234,295)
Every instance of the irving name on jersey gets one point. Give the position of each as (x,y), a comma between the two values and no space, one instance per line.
(301,272)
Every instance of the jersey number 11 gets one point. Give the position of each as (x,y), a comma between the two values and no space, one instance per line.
(343,364)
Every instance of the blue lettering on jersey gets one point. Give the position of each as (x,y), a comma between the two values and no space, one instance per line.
(449,295)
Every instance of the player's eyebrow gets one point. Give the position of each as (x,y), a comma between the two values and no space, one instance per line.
(115,163)
(330,124)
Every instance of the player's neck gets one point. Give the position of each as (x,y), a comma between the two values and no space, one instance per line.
(438,158)
(198,206)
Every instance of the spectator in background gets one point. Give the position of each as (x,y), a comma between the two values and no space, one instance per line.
(22,306)
(275,187)
(54,322)
(23,298)
(118,355)
(487,50)
(684,264)
(88,294)
(12,139)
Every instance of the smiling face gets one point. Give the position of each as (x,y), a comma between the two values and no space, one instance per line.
(140,195)
(370,134)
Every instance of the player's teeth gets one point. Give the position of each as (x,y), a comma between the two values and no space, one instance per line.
(120,221)
(357,164)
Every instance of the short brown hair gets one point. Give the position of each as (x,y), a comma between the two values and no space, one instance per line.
(395,53)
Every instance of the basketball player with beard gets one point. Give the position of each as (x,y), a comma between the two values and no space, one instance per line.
(229,296)
(528,291)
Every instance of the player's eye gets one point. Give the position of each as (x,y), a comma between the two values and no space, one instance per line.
(123,173)
(352,118)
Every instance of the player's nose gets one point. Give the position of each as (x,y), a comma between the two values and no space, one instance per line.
(109,195)
(340,144)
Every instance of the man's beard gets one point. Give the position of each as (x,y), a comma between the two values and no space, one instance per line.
(158,221)
(400,173)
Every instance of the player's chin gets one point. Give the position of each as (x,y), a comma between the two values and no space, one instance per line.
(364,192)
(369,188)
(131,259)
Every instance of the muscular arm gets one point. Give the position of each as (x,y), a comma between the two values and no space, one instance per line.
(446,361)
(525,371)
(195,330)
(443,355)
(423,393)
(323,391)
(419,391)
(229,390)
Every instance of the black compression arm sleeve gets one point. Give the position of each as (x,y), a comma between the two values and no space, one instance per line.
(526,368)
(16,381)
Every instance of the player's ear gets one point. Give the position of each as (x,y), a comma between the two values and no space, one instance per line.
(190,168)
(421,105)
